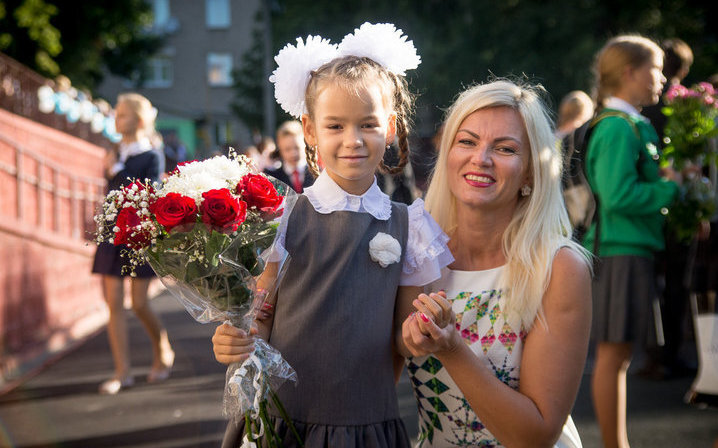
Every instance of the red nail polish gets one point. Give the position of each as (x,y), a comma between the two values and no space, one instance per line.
(423,317)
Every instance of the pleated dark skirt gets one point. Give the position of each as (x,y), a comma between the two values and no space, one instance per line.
(109,261)
(623,291)
(389,434)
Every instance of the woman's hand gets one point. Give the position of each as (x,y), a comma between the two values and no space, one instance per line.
(230,344)
(422,336)
(434,307)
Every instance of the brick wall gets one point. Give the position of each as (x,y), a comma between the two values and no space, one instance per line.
(50,185)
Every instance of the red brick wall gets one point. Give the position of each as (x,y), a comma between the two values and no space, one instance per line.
(50,183)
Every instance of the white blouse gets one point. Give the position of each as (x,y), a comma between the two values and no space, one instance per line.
(128,150)
(426,249)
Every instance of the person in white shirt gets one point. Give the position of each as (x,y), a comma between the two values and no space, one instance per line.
(293,167)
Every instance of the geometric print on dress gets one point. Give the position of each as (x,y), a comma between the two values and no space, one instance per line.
(446,418)
(469,309)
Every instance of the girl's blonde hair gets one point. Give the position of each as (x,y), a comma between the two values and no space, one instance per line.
(143,109)
(356,74)
(540,225)
(611,61)
(574,105)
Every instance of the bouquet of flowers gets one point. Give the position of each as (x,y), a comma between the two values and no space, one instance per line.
(208,232)
(690,125)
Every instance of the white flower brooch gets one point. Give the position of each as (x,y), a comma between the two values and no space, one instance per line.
(384,249)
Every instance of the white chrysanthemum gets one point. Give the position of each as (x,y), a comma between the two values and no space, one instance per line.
(382,43)
(193,186)
(294,64)
(224,168)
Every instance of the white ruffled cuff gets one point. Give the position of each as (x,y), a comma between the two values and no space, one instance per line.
(426,248)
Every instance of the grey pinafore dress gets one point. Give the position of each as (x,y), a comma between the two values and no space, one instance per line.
(333,323)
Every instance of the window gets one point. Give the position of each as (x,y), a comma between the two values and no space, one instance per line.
(219,69)
(160,12)
(222,132)
(218,13)
(159,72)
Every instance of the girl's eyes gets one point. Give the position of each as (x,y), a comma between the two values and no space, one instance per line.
(364,126)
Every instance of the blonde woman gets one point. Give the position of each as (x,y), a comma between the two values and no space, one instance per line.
(507,371)
(139,157)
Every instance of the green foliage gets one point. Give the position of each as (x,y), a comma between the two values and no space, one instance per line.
(461,42)
(79,41)
(691,116)
(690,124)
(249,81)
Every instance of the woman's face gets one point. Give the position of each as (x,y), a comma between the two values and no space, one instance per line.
(648,81)
(126,121)
(488,161)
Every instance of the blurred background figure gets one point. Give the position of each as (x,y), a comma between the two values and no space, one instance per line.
(575,109)
(175,151)
(292,168)
(627,228)
(137,158)
(673,264)
(677,61)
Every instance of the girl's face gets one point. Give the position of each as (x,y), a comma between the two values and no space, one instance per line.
(126,121)
(648,81)
(488,161)
(351,131)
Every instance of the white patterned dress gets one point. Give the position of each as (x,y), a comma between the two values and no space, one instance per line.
(445,417)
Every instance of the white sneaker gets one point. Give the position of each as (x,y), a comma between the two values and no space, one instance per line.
(114,385)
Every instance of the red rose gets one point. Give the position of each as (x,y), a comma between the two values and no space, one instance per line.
(130,230)
(220,209)
(259,192)
(173,210)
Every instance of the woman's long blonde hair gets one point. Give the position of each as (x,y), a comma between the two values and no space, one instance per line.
(540,225)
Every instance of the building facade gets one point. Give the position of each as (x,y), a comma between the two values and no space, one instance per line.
(190,79)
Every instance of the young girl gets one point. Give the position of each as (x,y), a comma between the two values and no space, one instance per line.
(350,246)
(623,173)
(138,159)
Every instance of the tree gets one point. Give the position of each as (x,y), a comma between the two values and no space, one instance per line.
(552,42)
(248,82)
(79,41)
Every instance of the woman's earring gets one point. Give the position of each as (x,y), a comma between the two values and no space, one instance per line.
(526,190)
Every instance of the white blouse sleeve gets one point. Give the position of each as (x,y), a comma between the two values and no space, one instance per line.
(426,249)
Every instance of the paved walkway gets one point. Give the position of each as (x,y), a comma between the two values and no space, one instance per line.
(60,406)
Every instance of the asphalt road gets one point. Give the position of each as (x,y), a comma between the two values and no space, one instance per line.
(60,407)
